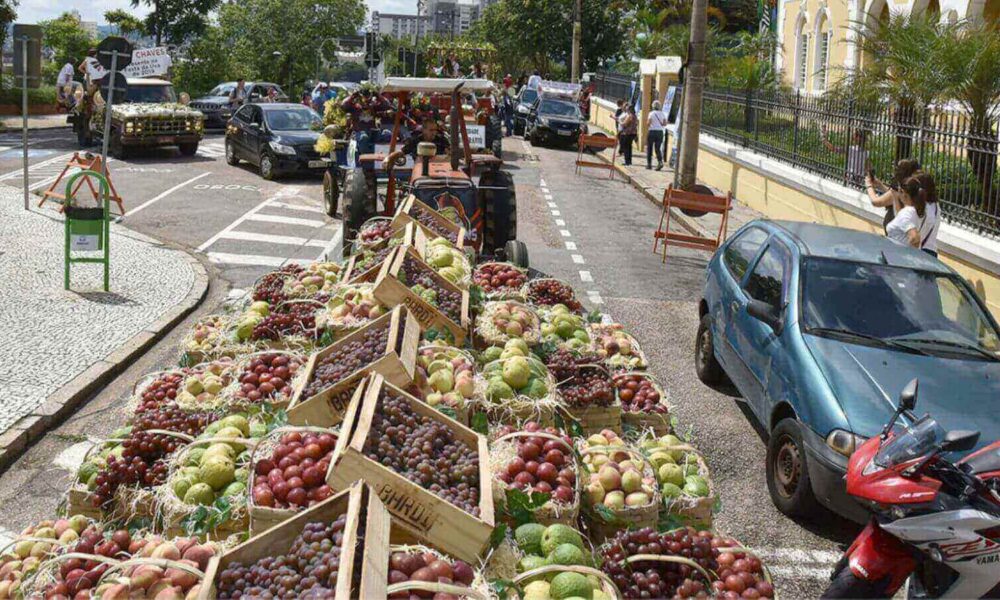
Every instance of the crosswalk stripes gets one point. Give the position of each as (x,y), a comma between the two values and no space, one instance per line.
(212,149)
(40,174)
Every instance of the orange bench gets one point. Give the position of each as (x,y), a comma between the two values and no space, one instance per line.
(691,201)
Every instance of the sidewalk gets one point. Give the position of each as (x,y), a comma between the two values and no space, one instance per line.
(652,184)
(35,122)
(59,346)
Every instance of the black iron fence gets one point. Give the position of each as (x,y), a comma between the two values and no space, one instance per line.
(841,140)
(613,86)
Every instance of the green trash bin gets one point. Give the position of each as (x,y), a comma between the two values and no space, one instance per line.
(88,229)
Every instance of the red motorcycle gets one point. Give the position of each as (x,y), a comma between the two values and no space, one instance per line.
(936,523)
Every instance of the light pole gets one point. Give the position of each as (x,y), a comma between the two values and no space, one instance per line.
(276,55)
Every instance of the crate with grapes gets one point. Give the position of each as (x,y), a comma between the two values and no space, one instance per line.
(432,222)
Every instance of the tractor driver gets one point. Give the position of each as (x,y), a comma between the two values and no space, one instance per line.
(429,132)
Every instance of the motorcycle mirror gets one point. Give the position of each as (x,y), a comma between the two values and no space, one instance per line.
(908,397)
(960,440)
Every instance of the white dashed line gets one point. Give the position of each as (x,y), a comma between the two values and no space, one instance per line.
(286,220)
(548,196)
(553,205)
(594,297)
(560,223)
(571,245)
(267,238)
(165,194)
(284,192)
(556,213)
(295,206)
(254,259)
(586,277)
(541,182)
(578,259)
(565,233)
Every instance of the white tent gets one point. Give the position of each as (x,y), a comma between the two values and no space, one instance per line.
(430,85)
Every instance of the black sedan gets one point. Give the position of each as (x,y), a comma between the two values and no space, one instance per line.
(215,104)
(276,137)
(555,120)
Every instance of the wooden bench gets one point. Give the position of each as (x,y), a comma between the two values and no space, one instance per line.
(596,141)
(692,201)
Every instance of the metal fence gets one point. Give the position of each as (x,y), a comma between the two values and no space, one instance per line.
(613,86)
(841,140)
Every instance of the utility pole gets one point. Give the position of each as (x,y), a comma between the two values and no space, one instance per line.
(694,86)
(577,39)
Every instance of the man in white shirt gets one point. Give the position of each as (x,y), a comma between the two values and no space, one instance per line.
(65,78)
(535,80)
(657,123)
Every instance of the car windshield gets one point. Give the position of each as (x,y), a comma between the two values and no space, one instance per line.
(223,89)
(917,311)
(910,442)
(293,119)
(528,96)
(152,93)
(558,108)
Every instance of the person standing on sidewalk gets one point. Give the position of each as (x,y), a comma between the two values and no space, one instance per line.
(657,122)
(628,128)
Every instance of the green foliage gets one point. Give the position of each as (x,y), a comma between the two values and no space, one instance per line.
(213,65)
(8,12)
(67,38)
(128,25)
(521,507)
(36,96)
(176,21)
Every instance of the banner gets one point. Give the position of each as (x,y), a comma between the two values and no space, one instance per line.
(149,62)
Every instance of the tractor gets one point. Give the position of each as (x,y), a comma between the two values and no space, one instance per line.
(473,184)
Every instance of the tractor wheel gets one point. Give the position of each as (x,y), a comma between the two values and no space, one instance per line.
(115,146)
(358,207)
(517,253)
(501,214)
(494,135)
(331,193)
(497,148)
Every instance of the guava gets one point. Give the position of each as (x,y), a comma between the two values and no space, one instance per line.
(566,554)
(442,381)
(530,562)
(261,308)
(695,486)
(87,470)
(516,372)
(199,493)
(437,365)
(241,475)
(235,488)
(568,584)
(217,471)
(498,390)
(240,422)
(181,485)
(529,538)
(558,534)
(217,449)
(581,336)
(258,429)
(518,343)
(536,389)
(492,353)
(194,457)
(565,329)
(671,490)
(212,429)
(671,473)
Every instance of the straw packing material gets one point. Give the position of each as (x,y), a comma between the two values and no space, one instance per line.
(515,389)
(351,307)
(504,320)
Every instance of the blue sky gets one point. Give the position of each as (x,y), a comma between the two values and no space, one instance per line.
(32,11)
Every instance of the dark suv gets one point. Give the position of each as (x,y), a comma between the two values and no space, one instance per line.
(277,137)
(215,104)
(555,120)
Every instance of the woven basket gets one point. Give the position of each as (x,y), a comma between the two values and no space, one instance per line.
(503,449)
(629,517)
(593,419)
(640,361)
(607,586)
(276,400)
(506,293)
(459,413)
(479,590)
(658,423)
(517,409)
(487,335)
(574,304)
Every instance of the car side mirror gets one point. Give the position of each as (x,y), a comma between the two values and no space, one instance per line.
(908,397)
(767,314)
(960,440)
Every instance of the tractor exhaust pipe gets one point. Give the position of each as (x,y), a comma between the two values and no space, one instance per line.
(426,151)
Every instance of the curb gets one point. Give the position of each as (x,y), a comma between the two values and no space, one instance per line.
(64,401)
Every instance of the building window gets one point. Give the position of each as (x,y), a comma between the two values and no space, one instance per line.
(802,66)
(822,57)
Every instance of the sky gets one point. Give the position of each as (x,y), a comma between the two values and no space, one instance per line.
(32,11)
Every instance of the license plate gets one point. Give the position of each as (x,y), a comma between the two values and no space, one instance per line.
(165,139)
(317,164)
(565,132)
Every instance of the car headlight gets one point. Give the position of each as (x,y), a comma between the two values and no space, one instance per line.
(282,148)
(844,442)
(544,121)
(522,109)
(129,126)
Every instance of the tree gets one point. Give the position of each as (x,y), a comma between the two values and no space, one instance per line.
(176,21)
(67,38)
(8,12)
(694,85)
(128,25)
(286,53)
(208,64)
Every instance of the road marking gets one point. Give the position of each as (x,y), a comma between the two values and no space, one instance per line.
(560,223)
(594,297)
(586,277)
(578,259)
(277,204)
(20,172)
(284,192)
(267,238)
(6,537)
(548,196)
(553,205)
(571,245)
(564,233)
(253,259)
(165,194)
(541,182)
(556,213)
(286,220)
(338,240)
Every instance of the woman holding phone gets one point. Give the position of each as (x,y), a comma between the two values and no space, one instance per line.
(890,197)
(916,222)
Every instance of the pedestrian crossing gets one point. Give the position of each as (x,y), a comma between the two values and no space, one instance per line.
(40,174)
(212,149)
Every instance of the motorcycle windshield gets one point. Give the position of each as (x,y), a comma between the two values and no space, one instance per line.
(910,442)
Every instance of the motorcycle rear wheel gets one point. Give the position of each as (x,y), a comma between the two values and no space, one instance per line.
(845,584)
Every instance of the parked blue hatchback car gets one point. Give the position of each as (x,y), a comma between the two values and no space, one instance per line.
(820,328)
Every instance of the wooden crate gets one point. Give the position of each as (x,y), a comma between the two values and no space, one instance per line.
(444,224)
(79,501)
(397,364)
(367,534)
(408,234)
(593,419)
(390,291)
(325,409)
(418,512)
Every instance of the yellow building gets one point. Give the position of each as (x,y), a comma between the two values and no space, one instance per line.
(818,41)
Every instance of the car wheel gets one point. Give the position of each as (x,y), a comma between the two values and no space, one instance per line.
(115,146)
(231,158)
(189,149)
(706,366)
(788,470)
(267,166)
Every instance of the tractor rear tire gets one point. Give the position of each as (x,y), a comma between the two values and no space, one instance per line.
(331,194)
(115,146)
(498,148)
(189,149)
(358,207)
(494,135)
(517,253)
(496,231)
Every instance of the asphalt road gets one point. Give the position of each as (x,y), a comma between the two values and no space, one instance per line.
(591,232)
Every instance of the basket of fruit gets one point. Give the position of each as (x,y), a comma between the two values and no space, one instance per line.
(206,491)
(372,233)
(435,302)
(683,477)
(267,377)
(449,262)
(546,291)
(351,307)
(564,328)
(317,278)
(504,320)
(533,459)
(387,345)
(150,578)
(289,325)
(500,280)
(586,392)
(432,471)
(288,471)
(532,545)
(208,340)
(22,558)
(621,488)
(618,349)
(447,379)
(79,495)
(423,571)
(734,559)
(568,581)
(644,402)
(431,222)
(336,549)
(191,388)
(516,387)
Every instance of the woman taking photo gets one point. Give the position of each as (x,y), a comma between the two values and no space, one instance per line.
(889,197)
(916,222)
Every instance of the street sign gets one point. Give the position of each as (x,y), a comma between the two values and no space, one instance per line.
(119,89)
(29,56)
(149,62)
(106,48)
(477,135)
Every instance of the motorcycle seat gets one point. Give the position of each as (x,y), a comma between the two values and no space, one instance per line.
(985,461)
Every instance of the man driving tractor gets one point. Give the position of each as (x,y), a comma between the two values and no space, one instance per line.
(429,132)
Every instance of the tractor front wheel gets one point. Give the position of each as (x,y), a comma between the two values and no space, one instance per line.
(501,213)
(331,193)
(358,207)
(517,253)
